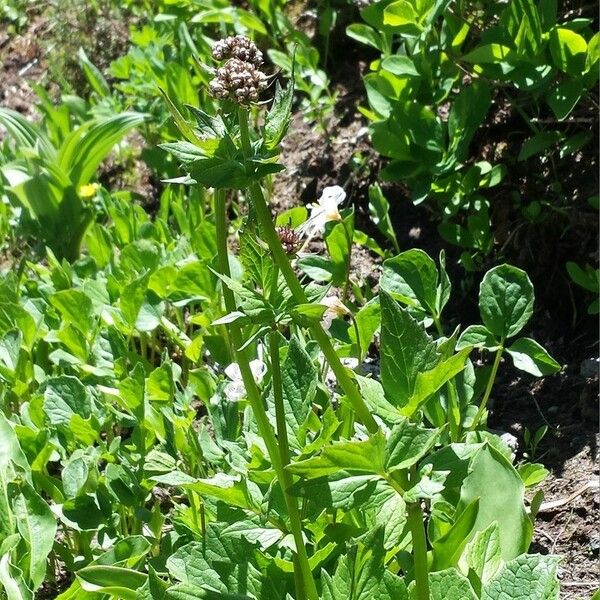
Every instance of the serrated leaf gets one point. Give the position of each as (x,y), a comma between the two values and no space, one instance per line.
(278,118)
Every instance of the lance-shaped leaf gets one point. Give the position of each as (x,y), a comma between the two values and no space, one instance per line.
(37,526)
(278,117)
(412,368)
(532,358)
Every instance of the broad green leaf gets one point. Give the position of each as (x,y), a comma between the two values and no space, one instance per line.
(411,277)
(37,526)
(374,397)
(75,308)
(11,453)
(184,591)
(532,473)
(568,50)
(367,457)
(64,397)
(505,300)
(298,380)
(482,555)
(399,13)
(532,358)
(563,98)
(429,382)
(539,143)
(188,564)
(477,336)
(450,585)
(501,494)
(400,65)
(364,34)
(489,53)
(527,577)
(407,444)
(406,350)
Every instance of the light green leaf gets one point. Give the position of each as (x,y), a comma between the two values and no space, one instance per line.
(448,548)
(407,444)
(298,380)
(482,555)
(568,50)
(505,300)
(406,350)
(64,397)
(532,358)
(411,277)
(37,526)
(367,457)
(450,585)
(527,577)
(118,582)
(501,494)
(477,336)
(75,307)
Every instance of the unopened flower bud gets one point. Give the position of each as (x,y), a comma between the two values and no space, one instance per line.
(239,47)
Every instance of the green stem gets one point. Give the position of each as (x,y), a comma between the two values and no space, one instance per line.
(359,351)
(348,261)
(453,416)
(282,436)
(419,542)
(488,388)
(281,260)
(253,395)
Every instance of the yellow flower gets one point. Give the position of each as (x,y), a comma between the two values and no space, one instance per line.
(88,190)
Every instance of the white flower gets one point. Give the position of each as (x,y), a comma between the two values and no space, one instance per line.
(235,390)
(335,308)
(323,211)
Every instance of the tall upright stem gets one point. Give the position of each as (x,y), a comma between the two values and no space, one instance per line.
(278,458)
(281,260)
(488,388)
(419,542)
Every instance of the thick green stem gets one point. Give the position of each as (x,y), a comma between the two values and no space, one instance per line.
(262,421)
(282,262)
(419,542)
(488,388)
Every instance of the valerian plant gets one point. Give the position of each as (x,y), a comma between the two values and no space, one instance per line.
(388,486)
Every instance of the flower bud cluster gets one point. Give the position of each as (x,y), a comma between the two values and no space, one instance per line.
(239,79)
(239,47)
(290,239)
